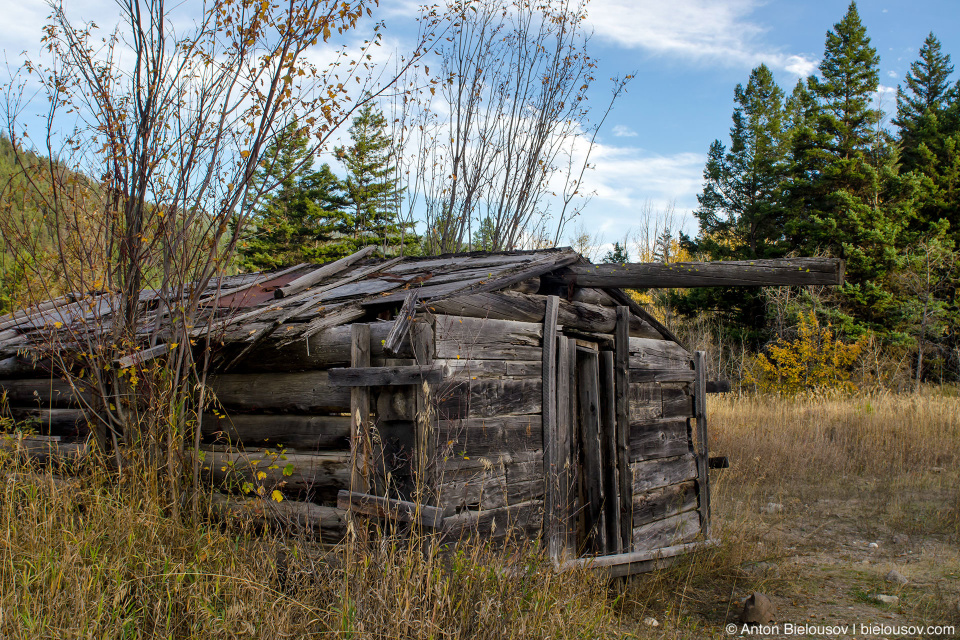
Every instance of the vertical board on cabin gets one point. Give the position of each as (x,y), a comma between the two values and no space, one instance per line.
(665,471)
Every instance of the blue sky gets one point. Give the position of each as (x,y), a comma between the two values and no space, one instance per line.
(687,54)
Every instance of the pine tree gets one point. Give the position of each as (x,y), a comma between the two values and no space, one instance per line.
(371,184)
(302,215)
(844,196)
(617,255)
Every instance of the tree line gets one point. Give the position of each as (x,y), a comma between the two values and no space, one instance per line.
(819,172)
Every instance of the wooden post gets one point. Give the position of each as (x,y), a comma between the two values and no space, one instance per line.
(551,449)
(565,468)
(608,441)
(588,396)
(703,463)
(621,363)
(422,343)
(360,441)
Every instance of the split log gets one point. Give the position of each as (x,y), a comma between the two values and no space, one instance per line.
(489,398)
(385,376)
(475,437)
(523,520)
(44,449)
(653,474)
(390,509)
(290,515)
(306,392)
(401,323)
(667,532)
(323,474)
(661,375)
(733,273)
(658,438)
(658,354)
(511,305)
(664,502)
(305,433)
(486,339)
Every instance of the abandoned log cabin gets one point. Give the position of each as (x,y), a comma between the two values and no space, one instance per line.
(517,393)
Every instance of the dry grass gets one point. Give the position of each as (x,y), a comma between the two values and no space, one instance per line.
(93,559)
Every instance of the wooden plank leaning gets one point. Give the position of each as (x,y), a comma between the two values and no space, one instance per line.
(551,449)
(326,270)
(703,463)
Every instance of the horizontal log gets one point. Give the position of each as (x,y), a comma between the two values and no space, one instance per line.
(489,398)
(489,482)
(653,474)
(328,348)
(390,509)
(645,401)
(326,271)
(44,449)
(733,273)
(305,433)
(487,339)
(385,376)
(475,437)
(523,520)
(323,474)
(44,393)
(658,438)
(59,422)
(625,564)
(664,502)
(667,532)
(661,375)
(291,515)
(469,369)
(305,392)
(646,353)
(20,367)
(511,305)
(677,399)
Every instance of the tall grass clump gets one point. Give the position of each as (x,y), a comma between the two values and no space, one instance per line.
(93,557)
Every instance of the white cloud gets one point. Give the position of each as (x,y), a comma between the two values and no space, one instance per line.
(716,31)
(892,74)
(623,131)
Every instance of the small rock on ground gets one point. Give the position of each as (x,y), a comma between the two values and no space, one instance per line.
(773,507)
(758,609)
(651,622)
(884,599)
(896,577)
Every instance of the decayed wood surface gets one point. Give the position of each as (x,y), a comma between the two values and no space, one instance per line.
(52,421)
(325,271)
(621,357)
(664,502)
(323,473)
(489,398)
(608,440)
(43,393)
(292,515)
(653,474)
(401,324)
(469,369)
(489,481)
(625,564)
(522,520)
(361,440)
(661,375)
(489,436)
(302,432)
(509,305)
(591,477)
(305,392)
(485,339)
(566,462)
(676,399)
(44,448)
(703,454)
(18,367)
(761,273)
(385,376)
(667,532)
(658,354)
(390,509)
(658,438)
(549,433)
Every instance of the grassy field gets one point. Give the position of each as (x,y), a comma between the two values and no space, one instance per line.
(823,497)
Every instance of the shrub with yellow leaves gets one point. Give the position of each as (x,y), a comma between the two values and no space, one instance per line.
(814,360)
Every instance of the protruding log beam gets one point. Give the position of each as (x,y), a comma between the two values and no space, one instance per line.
(385,376)
(390,509)
(325,271)
(732,273)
